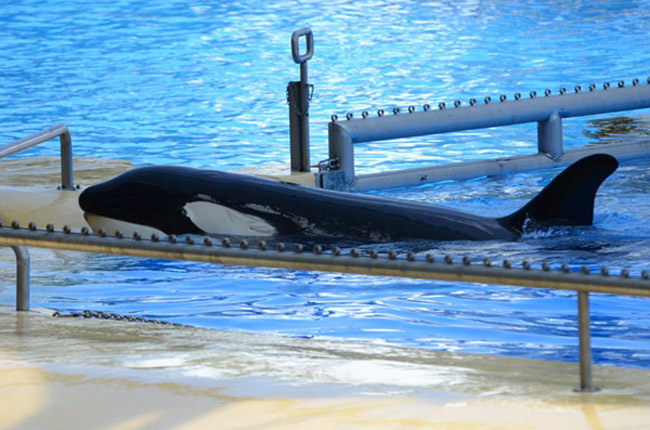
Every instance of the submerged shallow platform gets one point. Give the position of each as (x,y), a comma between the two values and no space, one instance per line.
(68,372)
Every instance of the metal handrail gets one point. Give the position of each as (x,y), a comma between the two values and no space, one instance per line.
(60,131)
(548,111)
(411,266)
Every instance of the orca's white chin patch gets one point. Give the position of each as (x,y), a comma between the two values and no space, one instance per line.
(110,225)
(214,218)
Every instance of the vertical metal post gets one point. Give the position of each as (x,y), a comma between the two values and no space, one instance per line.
(67,180)
(584,335)
(298,98)
(341,148)
(549,137)
(22,277)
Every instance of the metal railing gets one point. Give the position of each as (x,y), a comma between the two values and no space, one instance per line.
(547,110)
(60,131)
(368,263)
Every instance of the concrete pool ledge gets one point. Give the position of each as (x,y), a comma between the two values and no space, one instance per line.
(75,373)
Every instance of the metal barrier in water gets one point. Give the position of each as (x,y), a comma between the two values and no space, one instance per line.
(338,171)
(298,257)
(547,110)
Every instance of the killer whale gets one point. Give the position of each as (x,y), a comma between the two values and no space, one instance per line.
(184,200)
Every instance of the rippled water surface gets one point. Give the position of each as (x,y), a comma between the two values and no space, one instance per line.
(203,84)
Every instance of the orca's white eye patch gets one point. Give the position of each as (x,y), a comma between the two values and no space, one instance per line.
(214,218)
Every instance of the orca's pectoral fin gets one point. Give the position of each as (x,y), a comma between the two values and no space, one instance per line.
(569,198)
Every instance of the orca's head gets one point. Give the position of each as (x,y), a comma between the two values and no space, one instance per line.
(147,196)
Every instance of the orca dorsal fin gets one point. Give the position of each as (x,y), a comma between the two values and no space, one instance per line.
(569,198)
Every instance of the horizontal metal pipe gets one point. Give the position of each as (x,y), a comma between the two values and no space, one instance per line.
(496,114)
(472,169)
(33,140)
(382,266)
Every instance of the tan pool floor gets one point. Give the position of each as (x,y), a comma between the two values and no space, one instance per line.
(64,373)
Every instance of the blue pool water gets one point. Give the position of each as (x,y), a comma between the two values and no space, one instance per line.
(202,84)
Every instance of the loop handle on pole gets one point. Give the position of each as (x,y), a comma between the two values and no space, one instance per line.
(295,46)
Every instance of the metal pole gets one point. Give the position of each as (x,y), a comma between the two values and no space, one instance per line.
(298,98)
(549,136)
(584,335)
(22,277)
(67,180)
(304,118)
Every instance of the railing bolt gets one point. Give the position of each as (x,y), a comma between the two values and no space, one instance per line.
(472,102)
(336,251)
(318,249)
(261,245)
(373,253)
(625,273)
(487,262)
(429,258)
(410,256)
(585,270)
(298,248)
(15,224)
(506,264)
(207,241)
(546,267)
(189,240)
(466,260)
(171,238)
(392,255)
(31,226)
(565,268)
(243,244)
(154,237)
(448,259)
(354,252)
(225,242)
(66,229)
(279,247)
(604,271)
